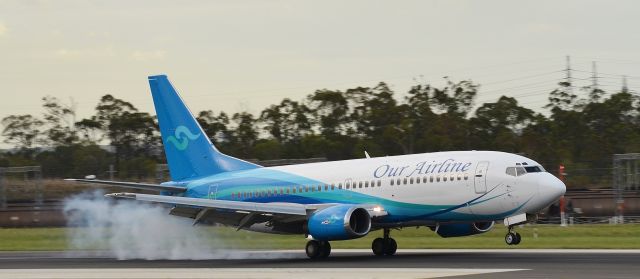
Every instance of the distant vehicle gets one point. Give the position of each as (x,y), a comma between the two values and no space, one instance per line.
(456,193)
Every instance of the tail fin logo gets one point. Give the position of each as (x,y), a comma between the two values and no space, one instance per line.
(180,142)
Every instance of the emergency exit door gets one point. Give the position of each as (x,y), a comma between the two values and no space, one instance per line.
(480,178)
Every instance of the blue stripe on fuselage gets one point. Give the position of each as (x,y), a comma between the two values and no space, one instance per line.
(264,179)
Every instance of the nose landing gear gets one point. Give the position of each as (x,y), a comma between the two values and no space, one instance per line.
(385,245)
(512,237)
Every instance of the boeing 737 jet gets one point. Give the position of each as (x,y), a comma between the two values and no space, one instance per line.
(456,193)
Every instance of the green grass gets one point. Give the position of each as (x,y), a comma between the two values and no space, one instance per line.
(534,236)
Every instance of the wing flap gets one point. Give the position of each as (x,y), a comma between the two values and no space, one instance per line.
(273,208)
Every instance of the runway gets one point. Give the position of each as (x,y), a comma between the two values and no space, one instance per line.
(428,263)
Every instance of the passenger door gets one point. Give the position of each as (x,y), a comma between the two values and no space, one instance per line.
(480,178)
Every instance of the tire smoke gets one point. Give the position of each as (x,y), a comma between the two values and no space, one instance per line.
(131,230)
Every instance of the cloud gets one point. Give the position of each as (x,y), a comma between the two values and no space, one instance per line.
(3,29)
(148,55)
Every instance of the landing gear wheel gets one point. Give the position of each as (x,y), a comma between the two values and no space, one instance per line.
(390,247)
(518,238)
(512,238)
(325,249)
(313,249)
(384,246)
(318,249)
(378,246)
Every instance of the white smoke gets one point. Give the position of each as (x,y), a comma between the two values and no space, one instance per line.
(127,229)
(131,230)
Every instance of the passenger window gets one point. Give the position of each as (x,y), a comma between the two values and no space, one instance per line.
(339,185)
(366,184)
(379,183)
(411,180)
(398,182)
(333,186)
(437,178)
(319,188)
(326,187)
(360,184)
(348,185)
(452,177)
(404,181)
(444,178)
(466,176)
(391,182)
(431,179)
(459,177)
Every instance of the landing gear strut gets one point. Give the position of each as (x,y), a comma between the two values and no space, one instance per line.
(318,249)
(385,245)
(512,237)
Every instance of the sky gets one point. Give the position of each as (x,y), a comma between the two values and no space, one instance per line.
(246,55)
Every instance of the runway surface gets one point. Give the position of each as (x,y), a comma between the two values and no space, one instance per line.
(506,263)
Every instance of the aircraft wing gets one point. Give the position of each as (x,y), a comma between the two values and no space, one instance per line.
(277,208)
(237,213)
(133,185)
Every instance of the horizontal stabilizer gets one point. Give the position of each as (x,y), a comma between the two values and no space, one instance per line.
(133,185)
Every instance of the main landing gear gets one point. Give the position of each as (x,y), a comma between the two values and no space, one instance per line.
(512,237)
(385,245)
(318,249)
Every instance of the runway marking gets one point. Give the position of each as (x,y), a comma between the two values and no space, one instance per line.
(197,273)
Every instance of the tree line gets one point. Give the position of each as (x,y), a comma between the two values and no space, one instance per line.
(581,133)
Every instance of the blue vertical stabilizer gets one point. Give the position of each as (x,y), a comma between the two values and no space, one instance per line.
(190,153)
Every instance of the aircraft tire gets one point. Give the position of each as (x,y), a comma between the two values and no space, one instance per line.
(510,238)
(377,246)
(313,249)
(518,238)
(325,249)
(391,247)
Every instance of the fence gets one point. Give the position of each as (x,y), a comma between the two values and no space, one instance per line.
(29,177)
(626,176)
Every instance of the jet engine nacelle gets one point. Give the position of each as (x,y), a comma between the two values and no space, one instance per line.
(339,222)
(453,230)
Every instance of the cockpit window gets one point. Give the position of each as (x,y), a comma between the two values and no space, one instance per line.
(518,171)
(533,169)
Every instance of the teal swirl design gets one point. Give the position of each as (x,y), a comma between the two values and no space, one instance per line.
(180,142)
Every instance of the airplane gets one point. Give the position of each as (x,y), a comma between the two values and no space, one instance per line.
(454,193)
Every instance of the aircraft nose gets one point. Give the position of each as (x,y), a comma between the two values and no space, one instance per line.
(551,188)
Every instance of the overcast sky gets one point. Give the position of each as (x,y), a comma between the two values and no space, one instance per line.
(245,55)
